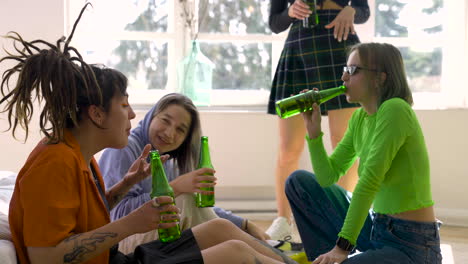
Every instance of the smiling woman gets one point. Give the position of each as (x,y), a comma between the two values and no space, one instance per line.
(172,126)
(169,128)
(85,110)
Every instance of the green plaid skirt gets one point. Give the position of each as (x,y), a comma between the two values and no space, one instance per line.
(311,58)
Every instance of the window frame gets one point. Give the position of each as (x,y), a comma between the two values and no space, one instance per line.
(177,37)
(452,94)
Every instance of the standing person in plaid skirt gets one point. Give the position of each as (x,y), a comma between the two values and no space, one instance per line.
(311,58)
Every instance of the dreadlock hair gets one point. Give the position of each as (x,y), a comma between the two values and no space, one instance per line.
(57,75)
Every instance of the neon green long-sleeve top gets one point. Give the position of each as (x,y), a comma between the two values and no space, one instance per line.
(393,171)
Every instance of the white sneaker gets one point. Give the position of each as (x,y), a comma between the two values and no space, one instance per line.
(279,229)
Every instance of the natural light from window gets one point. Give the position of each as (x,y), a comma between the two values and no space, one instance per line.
(148,39)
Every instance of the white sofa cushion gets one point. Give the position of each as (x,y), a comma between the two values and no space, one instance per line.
(5,233)
(7,252)
(7,249)
(7,185)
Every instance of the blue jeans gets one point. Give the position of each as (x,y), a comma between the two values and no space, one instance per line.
(320,212)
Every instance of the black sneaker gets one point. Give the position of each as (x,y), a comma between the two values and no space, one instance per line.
(287,245)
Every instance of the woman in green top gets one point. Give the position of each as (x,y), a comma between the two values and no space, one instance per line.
(393,173)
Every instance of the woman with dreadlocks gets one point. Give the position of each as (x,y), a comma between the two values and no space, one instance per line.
(59,212)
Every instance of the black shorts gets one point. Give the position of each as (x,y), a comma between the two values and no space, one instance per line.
(185,250)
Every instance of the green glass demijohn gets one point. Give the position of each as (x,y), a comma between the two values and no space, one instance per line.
(205,200)
(195,76)
(160,187)
(303,102)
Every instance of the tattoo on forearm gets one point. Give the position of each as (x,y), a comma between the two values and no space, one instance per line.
(84,246)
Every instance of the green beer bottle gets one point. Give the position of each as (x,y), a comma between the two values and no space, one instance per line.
(303,102)
(205,200)
(160,187)
(312,20)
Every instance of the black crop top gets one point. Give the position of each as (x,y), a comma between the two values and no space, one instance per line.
(279,20)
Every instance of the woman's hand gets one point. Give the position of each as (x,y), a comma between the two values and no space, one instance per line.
(336,255)
(299,10)
(343,24)
(255,231)
(192,182)
(140,168)
(149,216)
(313,120)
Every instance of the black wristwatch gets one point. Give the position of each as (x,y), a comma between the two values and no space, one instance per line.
(344,244)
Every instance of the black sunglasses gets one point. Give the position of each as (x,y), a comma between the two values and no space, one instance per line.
(352,69)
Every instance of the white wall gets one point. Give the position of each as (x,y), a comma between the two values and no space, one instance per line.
(244,144)
(33,20)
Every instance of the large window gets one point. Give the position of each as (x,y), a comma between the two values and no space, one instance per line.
(424,33)
(146,39)
(134,36)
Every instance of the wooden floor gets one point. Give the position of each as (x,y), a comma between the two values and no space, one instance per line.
(454,242)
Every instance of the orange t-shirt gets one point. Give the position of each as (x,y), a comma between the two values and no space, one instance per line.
(55,197)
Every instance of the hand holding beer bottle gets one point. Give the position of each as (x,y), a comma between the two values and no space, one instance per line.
(313,121)
(312,20)
(160,187)
(299,10)
(205,200)
(303,102)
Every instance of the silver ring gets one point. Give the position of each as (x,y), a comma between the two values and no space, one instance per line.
(155,203)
